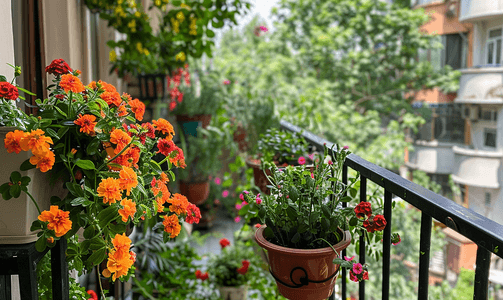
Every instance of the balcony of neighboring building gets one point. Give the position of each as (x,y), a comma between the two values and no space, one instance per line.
(478,10)
(483,84)
(477,168)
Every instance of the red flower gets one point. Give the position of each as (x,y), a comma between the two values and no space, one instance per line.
(165,146)
(365,275)
(379,222)
(201,275)
(8,91)
(363,209)
(193,214)
(244,267)
(369,225)
(352,276)
(93,295)
(224,243)
(58,67)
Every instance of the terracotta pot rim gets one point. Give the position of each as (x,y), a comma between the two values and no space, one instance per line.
(344,243)
(195,182)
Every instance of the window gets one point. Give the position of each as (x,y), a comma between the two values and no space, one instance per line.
(493,46)
(489,115)
(453,53)
(490,137)
(488,199)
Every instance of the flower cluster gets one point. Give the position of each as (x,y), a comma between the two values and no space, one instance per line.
(8,91)
(174,83)
(89,138)
(357,272)
(371,222)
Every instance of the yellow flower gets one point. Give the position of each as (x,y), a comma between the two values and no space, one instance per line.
(180,56)
(146,52)
(176,25)
(112,55)
(183,5)
(157,2)
(180,16)
(137,14)
(132,25)
(131,3)
(139,47)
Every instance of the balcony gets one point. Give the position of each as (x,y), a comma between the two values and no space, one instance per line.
(476,167)
(487,234)
(477,10)
(481,85)
(432,157)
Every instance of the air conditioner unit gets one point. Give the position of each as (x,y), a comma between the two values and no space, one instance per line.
(470,112)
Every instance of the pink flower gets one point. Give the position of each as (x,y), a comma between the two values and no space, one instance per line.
(218,181)
(237,219)
(311,156)
(312,175)
(258,200)
(238,206)
(264,29)
(330,162)
(352,276)
(243,203)
(217,202)
(225,194)
(349,258)
(301,160)
(246,192)
(357,268)
(241,197)
(257,225)
(345,147)
(227,82)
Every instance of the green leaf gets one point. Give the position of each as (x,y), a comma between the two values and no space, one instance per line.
(346,199)
(210,33)
(4,79)
(41,243)
(156,167)
(268,233)
(60,111)
(52,133)
(15,177)
(26,91)
(15,190)
(62,131)
(85,164)
(90,232)
(291,212)
(4,187)
(353,221)
(92,148)
(107,215)
(81,201)
(26,165)
(98,256)
(296,238)
(75,189)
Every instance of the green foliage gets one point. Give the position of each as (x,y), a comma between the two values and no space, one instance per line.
(281,146)
(422,178)
(222,268)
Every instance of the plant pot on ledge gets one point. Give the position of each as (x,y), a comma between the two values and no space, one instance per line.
(196,192)
(233,292)
(296,269)
(189,124)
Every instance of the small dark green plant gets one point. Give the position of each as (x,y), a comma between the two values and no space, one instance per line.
(282,147)
(233,266)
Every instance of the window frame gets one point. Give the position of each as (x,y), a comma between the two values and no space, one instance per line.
(490,131)
(494,41)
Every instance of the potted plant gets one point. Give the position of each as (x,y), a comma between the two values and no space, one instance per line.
(89,138)
(282,148)
(201,100)
(305,227)
(230,270)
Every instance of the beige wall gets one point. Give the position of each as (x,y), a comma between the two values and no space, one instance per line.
(7,38)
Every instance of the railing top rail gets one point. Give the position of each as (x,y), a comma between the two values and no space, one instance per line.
(481,230)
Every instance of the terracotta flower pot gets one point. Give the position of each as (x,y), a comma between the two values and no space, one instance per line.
(258,175)
(196,192)
(303,273)
(233,292)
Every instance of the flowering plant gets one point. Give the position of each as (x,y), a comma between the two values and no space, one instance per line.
(89,138)
(283,147)
(231,267)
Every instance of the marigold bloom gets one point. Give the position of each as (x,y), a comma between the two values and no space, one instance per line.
(138,108)
(112,98)
(128,211)
(71,83)
(36,141)
(165,127)
(44,162)
(193,214)
(110,190)
(12,141)
(122,111)
(172,225)
(86,123)
(164,178)
(166,146)
(178,160)
(122,243)
(179,204)
(128,179)
(118,264)
(108,87)
(120,138)
(59,220)
(160,204)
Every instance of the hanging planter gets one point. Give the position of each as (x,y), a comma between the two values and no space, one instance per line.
(233,292)
(303,273)
(153,86)
(196,192)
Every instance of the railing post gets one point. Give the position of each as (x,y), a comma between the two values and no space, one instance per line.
(386,259)
(424,256)
(483,264)
(344,204)
(363,197)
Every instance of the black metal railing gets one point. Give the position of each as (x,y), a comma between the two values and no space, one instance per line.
(487,234)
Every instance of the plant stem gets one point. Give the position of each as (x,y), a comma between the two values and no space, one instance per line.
(34,202)
(117,155)
(99,281)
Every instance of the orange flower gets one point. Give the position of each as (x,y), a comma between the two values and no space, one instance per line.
(117,264)
(71,83)
(120,138)
(164,178)
(179,204)
(138,108)
(172,225)
(122,111)
(160,204)
(108,87)
(43,162)
(129,157)
(112,98)
(109,189)
(165,127)
(86,123)
(12,141)
(121,243)
(128,211)
(59,220)
(36,142)
(128,179)
(178,159)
